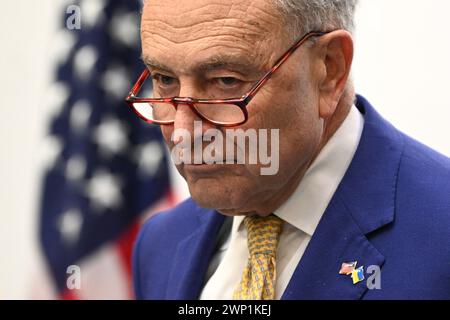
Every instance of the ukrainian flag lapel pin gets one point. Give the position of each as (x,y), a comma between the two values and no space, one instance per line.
(349,269)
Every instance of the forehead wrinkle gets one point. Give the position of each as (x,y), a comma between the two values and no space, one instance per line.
(225,37)
(187,14)
(249,32)
(244,19)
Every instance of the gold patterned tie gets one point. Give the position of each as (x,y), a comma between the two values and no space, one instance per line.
(258,278)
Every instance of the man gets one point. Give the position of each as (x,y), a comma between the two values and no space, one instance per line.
(356,209)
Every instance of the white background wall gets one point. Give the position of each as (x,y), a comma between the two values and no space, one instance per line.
(402,65)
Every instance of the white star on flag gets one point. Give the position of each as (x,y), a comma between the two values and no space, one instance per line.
(124,28)
(104,191)
(84,61)
(49,151)
(79,116)
(56,96)
(149,157)
(111,136)
(76,168)
(116,81)
(92,12)
(69,225)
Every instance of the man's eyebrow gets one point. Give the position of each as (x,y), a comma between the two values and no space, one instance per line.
(219,62)
(229,62)
(155,64)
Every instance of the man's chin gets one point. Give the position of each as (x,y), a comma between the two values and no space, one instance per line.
(224,192)
(209,201)
(217,199)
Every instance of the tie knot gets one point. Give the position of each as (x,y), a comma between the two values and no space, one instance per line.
(263,234)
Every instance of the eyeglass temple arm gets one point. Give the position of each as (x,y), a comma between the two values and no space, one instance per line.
(138,84)
(280,62)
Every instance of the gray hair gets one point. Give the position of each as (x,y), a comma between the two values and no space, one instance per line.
(303,16)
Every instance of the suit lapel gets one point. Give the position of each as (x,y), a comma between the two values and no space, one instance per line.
(192,258)
(363,203)
(337,239)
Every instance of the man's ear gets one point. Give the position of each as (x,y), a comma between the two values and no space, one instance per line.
(337,55)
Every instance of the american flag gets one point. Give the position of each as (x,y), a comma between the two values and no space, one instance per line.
(111,167)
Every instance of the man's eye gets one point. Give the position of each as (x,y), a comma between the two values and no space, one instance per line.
(228,81)
(164,80)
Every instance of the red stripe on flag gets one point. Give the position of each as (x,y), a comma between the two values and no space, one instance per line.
(124,247)
(69,295)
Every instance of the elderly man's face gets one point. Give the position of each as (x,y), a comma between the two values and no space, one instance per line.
(181,35)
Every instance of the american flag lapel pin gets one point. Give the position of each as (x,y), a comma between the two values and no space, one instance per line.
(349,269)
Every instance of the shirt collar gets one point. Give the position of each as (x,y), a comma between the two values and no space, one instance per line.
(305,207)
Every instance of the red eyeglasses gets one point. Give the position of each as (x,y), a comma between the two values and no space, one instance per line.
(221,112)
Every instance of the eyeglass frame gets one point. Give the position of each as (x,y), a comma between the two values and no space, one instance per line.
(242,102)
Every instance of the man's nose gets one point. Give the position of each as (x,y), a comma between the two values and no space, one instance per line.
(185,116)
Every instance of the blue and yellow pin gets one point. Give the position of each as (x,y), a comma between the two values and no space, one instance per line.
(349,268)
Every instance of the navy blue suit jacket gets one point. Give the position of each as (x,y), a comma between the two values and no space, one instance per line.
(392,209)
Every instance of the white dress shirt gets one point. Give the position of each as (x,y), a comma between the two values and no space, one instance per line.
(301,213)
